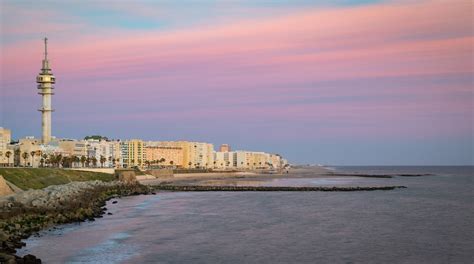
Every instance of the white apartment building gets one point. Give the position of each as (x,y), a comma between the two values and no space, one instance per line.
(225,160)
(107,153)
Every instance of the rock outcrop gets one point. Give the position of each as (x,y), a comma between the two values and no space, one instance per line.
(126,176)
(4,187)
(25,213)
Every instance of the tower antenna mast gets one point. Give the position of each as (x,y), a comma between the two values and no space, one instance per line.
(45,48)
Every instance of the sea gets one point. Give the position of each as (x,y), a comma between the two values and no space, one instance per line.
(431,221)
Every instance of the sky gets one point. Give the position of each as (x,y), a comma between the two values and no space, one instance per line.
(342,82)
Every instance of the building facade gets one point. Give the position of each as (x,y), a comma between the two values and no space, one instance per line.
(224,148)
(225,160)
(169,156)
(133,153)
(6,154)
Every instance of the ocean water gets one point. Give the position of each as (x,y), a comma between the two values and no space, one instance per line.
(429,222)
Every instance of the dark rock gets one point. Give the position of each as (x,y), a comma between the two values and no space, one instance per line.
(109,213)
(114,202)
(30,259)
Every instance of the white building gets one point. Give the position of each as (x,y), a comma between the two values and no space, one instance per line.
(225,160)
(107,153)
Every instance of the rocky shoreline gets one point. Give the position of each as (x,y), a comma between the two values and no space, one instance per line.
(26,213)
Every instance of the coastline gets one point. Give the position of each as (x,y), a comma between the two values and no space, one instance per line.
(85,201)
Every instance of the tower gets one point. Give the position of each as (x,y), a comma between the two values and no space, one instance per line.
(45,81)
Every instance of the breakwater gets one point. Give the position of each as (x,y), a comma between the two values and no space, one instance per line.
(201,188)
(378,175)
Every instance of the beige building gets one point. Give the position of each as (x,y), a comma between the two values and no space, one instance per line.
(252,160)
(224,148)
(275,161)
(199,155)
(194,154)
(73,147)
(30,153)
(133,153)
(5,139)
(165,155)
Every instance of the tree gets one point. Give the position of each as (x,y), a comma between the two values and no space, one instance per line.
(32,157)
(171,162)
(88,161)
(65,162)
(94,161)
(58,159)
(83,160)
(102,160)
(42,162)
(8,154)
(76,159)
(25,156)
(17,157)
(96,137)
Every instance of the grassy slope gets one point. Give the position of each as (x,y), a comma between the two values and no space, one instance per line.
(37,178)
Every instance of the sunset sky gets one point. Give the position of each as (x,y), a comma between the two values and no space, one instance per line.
(331,82)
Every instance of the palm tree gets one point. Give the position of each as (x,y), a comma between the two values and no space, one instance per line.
(94,161)
(17,157)
(8,154)
(76,159)
(32,157)
(58,160)
(83,160)
(44,158)
(65,162)
(25,156)
(102,160)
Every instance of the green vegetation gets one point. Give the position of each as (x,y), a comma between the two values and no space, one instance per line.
(38,178)
(96,137)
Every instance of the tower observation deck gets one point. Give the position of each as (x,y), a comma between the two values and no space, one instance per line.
(45,81)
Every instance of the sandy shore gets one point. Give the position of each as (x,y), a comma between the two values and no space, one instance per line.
(236,178)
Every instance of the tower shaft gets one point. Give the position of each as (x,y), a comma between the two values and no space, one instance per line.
(45,86)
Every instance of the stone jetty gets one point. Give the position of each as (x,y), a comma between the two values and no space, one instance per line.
(201,188)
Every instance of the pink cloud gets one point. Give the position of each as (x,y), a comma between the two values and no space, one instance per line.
(265,61)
